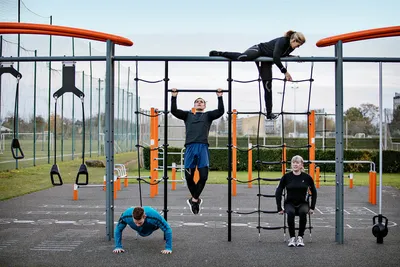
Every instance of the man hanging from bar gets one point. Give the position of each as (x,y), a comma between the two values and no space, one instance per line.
(196,142)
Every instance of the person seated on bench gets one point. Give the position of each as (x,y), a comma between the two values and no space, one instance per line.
(297,183)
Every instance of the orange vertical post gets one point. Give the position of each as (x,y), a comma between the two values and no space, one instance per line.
(373,196)
(370,187)
(173,176)
(152,150)
(317,176)
(126,182)
(351,180)
(75,192)
(234,152)
(119,183)
(311,142)
(284,159)
(250,165)
(156,152)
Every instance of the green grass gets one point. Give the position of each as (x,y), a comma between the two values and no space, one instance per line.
(7,161)
(27,180)
(23,181)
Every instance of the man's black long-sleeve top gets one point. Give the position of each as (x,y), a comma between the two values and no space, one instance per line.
(197,125)
(296,189)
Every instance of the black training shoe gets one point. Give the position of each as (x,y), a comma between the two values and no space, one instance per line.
(214,53)
(272,116)
(191,205)
(200,202)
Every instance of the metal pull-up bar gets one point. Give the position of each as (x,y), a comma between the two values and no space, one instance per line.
(198,90)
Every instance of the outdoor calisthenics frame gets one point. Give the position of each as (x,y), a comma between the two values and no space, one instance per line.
(110,58)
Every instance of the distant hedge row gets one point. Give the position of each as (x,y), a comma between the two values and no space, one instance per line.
(219,159)
(352,143)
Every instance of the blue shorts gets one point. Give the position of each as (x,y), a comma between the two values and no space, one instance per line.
(197,154)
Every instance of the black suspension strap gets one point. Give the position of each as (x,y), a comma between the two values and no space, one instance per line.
(69,87)
(16,150)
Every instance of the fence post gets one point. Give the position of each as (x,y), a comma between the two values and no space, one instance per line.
(317,177)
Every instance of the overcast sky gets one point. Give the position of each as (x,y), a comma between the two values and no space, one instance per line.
(174,28)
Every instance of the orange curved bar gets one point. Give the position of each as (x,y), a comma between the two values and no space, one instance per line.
(19,31)
(360,35)
(64,31)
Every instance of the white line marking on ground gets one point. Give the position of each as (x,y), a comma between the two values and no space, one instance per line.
(319,211)
(346,211)
(370,210)
(348,225)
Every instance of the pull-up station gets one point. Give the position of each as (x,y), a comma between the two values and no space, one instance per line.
(7,67)
(380,229)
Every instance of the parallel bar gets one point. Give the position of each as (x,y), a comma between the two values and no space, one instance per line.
(339,226)
(195,59)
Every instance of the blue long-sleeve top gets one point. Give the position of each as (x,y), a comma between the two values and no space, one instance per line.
(153,221)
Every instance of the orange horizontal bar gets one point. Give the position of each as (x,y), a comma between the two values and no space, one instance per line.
(360,35)
(64,31)
(22,31)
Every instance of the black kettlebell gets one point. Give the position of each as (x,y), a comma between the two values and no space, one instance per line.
(380,230)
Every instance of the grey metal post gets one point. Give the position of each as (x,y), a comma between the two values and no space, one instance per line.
(91,99)
(229,151)
(165,145)
(339,142)
(1,54)
(49,98)
(323,132)
(34,109)
(109,136)
(380,138)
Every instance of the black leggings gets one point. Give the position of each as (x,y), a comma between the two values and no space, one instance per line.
(265,70)
(300,210)
(196,189)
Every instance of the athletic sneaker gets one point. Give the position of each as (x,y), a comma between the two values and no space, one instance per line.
(200,202)
(214,53)
(292,242)
(300,242)
(272,116)
(191,205)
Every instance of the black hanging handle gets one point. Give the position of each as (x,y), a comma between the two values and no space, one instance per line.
(82,172)
(55,172)
(15,147)
(68,83)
